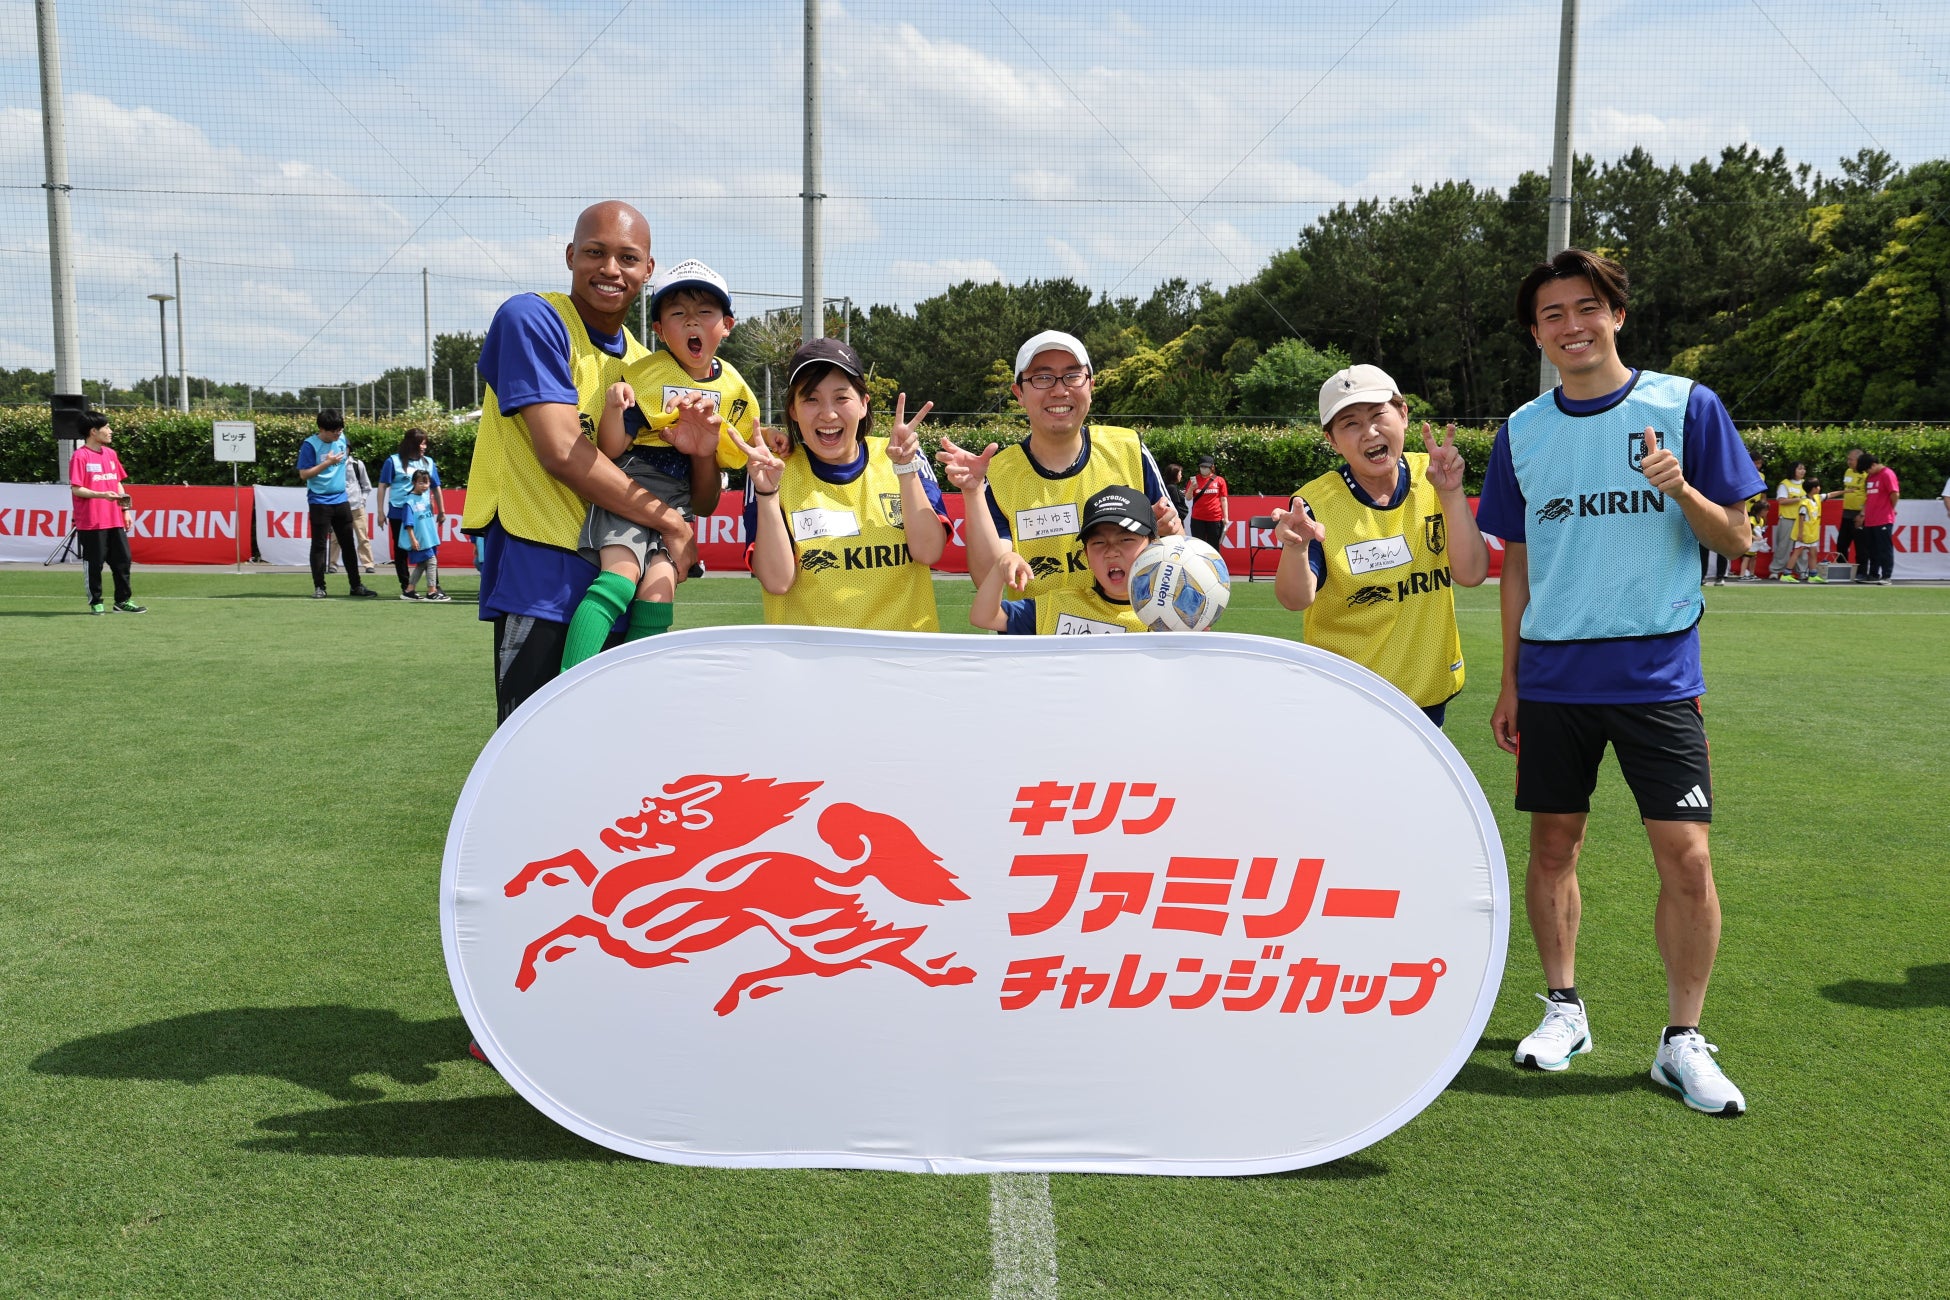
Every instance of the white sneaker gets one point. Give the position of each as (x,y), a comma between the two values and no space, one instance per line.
(1685,1064)
(1565,1033)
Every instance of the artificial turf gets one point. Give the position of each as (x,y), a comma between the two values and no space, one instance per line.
(230,1063)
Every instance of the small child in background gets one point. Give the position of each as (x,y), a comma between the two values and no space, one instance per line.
(1807,532)
(419,538)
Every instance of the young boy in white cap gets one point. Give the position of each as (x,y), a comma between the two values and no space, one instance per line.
(1370,550)
(1035,491)
(1118,523)
(693,398)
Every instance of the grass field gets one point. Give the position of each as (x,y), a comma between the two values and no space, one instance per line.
(230,1063)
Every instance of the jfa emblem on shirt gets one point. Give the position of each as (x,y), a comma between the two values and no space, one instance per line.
(1635,444)
(1434,534)
(890,505)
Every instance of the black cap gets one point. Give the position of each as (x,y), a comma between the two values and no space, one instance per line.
(1203,461)
(831,352)
(1126,507)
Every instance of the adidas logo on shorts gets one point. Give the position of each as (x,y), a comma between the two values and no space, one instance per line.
(1694,798)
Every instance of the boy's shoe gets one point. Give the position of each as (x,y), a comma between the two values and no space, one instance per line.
(97,608)
(439,597)
(1564,1033)
(130,607)
(409,595)
(1789,577)
(318,593)
(1685,1064)
(365,593)
(1885,582)
(1815,577)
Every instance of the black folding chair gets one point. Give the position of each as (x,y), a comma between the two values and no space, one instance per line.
(1254,526)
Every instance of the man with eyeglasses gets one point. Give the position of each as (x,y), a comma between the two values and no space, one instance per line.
(1035,490)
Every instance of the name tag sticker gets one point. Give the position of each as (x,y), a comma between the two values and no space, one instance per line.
(1074,625)
(1382,553)
(808,524)
(1046,521)
(672,392)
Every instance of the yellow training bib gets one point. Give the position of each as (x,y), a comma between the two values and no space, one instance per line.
(506,481)
(658,380)
(1044,509)
(854,566)
(1386,600)
(1072,611)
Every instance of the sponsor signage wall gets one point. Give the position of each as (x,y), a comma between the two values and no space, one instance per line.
(781,949)
(193,525)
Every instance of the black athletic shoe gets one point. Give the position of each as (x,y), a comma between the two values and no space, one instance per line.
(130,607)
(319,593)
(365,593)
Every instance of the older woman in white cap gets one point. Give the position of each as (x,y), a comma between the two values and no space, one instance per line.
(844,527)
(1035,490)
(1370,549)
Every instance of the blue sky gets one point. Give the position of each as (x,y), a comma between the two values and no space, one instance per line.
(298,154)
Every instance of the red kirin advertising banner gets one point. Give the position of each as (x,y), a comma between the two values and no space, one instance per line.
(941,903)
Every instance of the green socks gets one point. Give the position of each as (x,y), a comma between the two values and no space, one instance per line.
(609,595)
(649,618)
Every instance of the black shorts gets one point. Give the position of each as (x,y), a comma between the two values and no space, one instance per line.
(1661,750)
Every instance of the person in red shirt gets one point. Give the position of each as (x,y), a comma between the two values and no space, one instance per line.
(1878,544)
(1211,509)
(103,513)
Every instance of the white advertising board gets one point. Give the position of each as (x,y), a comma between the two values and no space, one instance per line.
(785,896)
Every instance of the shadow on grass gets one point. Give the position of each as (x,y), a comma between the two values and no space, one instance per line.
(1346,1169)
(1921,986)
(1501,1077)
(321,1048)
(461,1128)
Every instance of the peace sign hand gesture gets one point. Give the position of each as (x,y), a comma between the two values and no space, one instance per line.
(905,441)
(1297,527)
(965,469)
(1445,462)
(763,469)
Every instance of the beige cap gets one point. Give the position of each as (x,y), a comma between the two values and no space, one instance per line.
(1355,384)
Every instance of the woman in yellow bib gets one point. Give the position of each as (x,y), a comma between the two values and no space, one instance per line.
(845,527)
(1370,550)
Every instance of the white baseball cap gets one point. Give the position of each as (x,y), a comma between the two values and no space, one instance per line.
(1051,341)
(690,274)
(1355,384)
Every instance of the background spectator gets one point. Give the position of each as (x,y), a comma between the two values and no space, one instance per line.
(321,464)
(358,488)
(1878,544)
(103,512)
(1211,504)
(1788,496)
(396,476)
(1175,489)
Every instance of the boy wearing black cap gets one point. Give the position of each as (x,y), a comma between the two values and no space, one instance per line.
(1118,523)
(699,401)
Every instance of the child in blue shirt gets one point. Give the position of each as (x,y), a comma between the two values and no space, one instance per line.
(419,541)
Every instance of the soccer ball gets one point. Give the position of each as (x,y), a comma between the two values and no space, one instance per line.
(1179,584)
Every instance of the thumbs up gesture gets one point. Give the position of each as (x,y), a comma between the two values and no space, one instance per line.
(1662,469)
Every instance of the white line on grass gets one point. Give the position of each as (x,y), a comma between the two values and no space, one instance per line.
(1022,1238)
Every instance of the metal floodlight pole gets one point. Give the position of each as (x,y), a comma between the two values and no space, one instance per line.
(1562,160)
(426,328)
(69,401)
(182,367)
(162,301)
(812,310)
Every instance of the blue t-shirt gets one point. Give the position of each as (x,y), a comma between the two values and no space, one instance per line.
(1154,482)
(1639,670)
(327,487)
(843,474)
(525,360)
(398,481)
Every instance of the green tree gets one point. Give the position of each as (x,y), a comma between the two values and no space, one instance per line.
(1284,383)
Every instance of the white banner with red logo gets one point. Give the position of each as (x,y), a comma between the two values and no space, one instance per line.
(940,903)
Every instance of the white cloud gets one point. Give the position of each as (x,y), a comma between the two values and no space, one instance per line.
(924,278)
(1068,261)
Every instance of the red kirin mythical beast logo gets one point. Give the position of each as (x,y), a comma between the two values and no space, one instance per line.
(813,910)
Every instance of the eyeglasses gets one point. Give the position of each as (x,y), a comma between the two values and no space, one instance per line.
(1069,379)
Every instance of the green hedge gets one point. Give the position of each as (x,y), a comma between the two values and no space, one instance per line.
(1257,460)
(170,447)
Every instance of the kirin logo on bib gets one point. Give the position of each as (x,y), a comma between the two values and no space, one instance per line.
(677,888)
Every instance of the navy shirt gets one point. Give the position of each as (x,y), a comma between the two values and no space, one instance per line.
(525,360)
(1639,670)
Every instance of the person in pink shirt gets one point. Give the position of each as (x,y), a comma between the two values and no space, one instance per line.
(103,513)
(1878,545)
